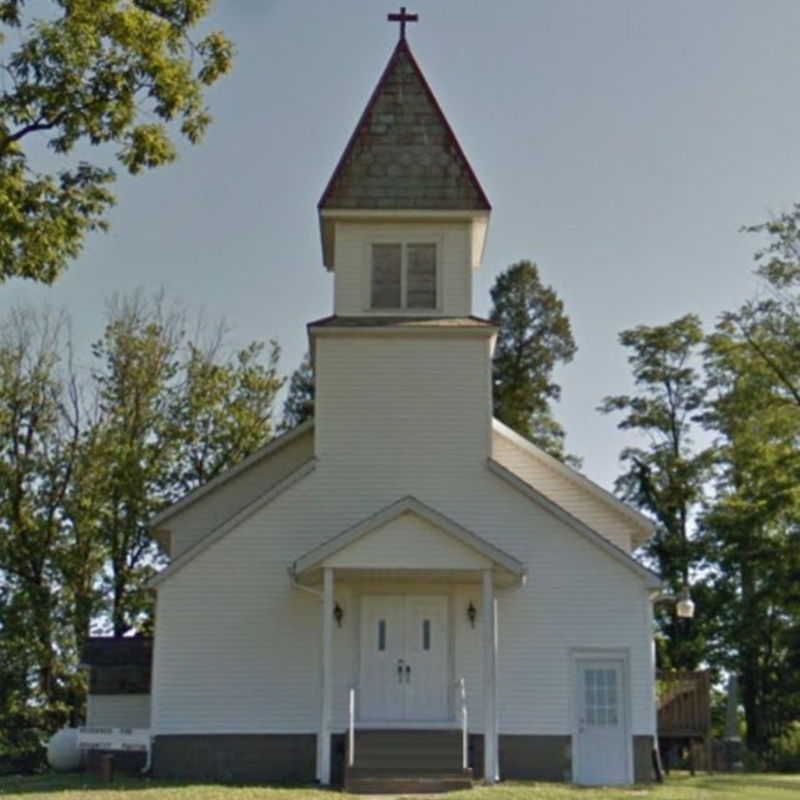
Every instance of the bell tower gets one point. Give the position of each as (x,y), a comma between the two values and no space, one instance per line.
(403,222)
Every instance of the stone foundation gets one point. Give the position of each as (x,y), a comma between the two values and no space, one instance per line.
(291,758)
(237,758)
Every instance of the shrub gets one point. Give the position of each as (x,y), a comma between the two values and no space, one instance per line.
(784,752)
(22,751)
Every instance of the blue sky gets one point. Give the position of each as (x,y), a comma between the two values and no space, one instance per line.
(622,144)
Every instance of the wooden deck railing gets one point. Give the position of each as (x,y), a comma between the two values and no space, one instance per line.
(684,704)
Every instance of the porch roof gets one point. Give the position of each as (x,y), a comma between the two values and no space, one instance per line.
(468,555)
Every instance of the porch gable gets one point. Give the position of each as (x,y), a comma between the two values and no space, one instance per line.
(408,535)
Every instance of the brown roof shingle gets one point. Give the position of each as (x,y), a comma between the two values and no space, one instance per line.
(403,153)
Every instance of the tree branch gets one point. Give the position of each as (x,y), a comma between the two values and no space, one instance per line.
(771,363)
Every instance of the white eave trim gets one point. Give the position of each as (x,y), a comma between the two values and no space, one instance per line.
(404,213)
(651,580)
(476,331)
(315,557)
(237,519)
(328,217)
(267,450)
(640,521)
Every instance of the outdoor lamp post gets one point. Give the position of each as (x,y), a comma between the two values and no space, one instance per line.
(685,605)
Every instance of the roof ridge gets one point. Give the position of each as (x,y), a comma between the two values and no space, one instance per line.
(266,449)
(652,578)
(602,494)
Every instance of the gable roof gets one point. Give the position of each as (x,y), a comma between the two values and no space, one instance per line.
(314,558)
(642,524)
(403,153)
(237,519)
(267,450)
(117,651)
(650,579)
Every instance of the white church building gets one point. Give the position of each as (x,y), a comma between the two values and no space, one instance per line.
(402,589)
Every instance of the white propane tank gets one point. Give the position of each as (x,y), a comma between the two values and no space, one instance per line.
(63,752)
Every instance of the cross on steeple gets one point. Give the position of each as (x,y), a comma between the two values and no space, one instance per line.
(402,18)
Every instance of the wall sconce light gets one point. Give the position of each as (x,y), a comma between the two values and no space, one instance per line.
(338,615)
(472,613)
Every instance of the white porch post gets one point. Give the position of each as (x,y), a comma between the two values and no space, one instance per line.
(324,743)
(489,636)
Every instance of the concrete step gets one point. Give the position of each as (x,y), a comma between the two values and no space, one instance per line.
(401,749)
(402,761)
(408,762)
(395,738)
(408,747)
(399,772)
(412,782)
(387,734)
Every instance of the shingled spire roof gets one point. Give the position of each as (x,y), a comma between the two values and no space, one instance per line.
(403,154)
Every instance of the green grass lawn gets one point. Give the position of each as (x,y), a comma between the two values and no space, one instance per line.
(677,787)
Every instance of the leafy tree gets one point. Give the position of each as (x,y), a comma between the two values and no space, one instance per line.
(752,523)
(33,478)
(666,478)
(299,404)
(91,72)
(221,411)
(769,326)
(171,415)
(137,359)
(22,714)
(534,335)
(83,468)
(751,527)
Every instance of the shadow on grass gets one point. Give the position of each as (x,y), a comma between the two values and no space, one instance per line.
(728,782)
(84,782)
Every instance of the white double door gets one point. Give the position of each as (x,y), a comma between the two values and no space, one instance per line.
(602,742)
(404,658)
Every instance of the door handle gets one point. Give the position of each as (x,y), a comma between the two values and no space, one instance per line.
(400,663)
(408,673)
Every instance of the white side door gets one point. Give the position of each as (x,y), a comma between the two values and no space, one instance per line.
(382,685)
(601,740)
(426,657)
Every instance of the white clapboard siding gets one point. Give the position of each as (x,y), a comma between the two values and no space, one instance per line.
(197,519)
(238,648)
(390,399)
(572,497)
(118,711)
(352,276)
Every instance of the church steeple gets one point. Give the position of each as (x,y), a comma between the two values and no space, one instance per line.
(403,222)
(403,153)
(403,156)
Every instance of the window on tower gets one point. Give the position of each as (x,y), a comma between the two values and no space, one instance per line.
(404,275)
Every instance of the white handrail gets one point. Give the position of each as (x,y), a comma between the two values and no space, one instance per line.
(351,731)
(464,724)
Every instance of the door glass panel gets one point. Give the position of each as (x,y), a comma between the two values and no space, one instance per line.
(426,635)
(381,634)
(600,697)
